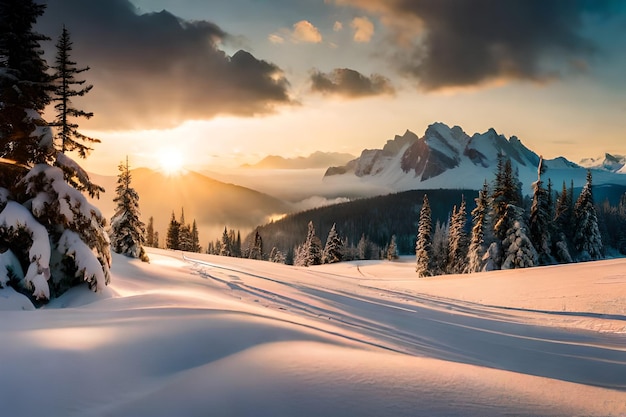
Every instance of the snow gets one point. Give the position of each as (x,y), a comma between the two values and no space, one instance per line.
(86,259)
(206,335)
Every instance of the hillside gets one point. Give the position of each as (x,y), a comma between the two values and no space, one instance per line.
(231,337)
(377,217)
(313,161)
(214,204)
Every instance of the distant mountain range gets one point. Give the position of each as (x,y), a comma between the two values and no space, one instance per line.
(214,204)
(315,160)
(448,158)
(608,162)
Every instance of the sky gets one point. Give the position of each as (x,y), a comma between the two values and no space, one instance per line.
(222,83)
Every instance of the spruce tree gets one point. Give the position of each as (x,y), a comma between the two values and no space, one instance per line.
(333,250)
(458,241)
(225,251)
(363,248)
(392,250)
(423,245)
(127,230)
(184,233)
(173,230)
(195,238)
(67,87)
(587,239)
(313,247)
(150,233)
(256,250)
(155,241)
(540,220)
(479,241)
(440,246)
(518,250)
(25,88)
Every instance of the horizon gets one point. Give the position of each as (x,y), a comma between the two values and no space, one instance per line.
(230,83)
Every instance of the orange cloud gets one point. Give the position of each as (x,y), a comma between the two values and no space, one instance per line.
(363,29)
(305,31)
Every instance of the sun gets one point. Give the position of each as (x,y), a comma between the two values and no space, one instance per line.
(171,161)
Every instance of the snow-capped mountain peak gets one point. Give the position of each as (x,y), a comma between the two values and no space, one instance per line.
(447,157)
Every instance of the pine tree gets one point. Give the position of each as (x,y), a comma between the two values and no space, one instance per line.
(127,230)
(195,238)
(155,241)
(440,246)
(540,220)
(423,245)
(184,234)
(313,247)
(58,237)
(392,250)
(479,241)
(363,248)
(65,71)
(150,241)
(238,245)
(333,250)
(458,241)
(518,250)
(277,256)
(173,230)
(256,251)
(225,251)
(25,88)
(587,239)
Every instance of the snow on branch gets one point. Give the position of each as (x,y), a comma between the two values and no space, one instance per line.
(86,260)
(16,217)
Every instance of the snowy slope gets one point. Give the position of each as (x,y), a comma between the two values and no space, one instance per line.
(449,158)
(608,162)
(231,337)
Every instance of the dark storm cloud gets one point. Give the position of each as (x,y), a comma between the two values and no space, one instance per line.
(349,83)
(469,42)
(156,70)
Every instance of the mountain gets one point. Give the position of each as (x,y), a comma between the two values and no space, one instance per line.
(315,160)
(608,162)
(213,204)
(449,158)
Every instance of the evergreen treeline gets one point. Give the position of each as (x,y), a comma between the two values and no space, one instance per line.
(365,226)
(505,235)
(180,235)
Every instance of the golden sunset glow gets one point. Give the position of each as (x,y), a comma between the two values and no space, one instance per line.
(170,161)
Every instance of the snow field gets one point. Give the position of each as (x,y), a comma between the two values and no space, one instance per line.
(207,335)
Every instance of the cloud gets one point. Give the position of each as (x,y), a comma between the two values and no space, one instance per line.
(157,70)
(464,43)
(274,38)
(338,26)
(350,83)
(304,31)
(363,29)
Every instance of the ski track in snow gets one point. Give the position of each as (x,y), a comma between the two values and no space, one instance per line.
(438,328)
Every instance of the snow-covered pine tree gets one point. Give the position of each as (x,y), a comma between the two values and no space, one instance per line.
(333,250)
(150,232)
(423,245)
(195,238)
(47,223)
(479,241)
(25,88)
(458,241)
(540,221)
(225,251)
(256,250)
(392,249)
(127,230)
(439,255)
(363,248)
(518,250)
(173,231)
(587,239)
(313,246)
(277,256)
(184,233)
